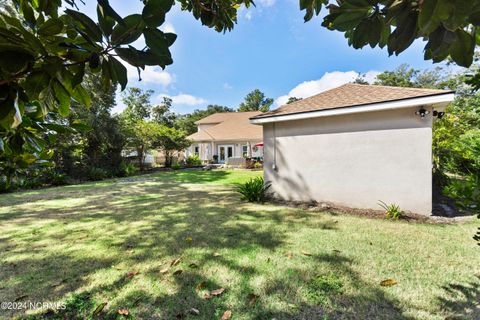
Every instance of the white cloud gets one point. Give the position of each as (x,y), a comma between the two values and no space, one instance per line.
(168,27)
(329,81)
(248,15)
(267,3)
(152,75)
(185,99)
(227,86)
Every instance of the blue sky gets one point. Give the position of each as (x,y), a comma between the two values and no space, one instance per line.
(271,49)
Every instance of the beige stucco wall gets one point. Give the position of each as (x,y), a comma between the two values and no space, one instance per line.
(353,160)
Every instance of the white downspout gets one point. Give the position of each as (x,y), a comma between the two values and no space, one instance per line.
(274,164)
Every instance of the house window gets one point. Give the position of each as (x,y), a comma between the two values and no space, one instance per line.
(196,151)
(245,151)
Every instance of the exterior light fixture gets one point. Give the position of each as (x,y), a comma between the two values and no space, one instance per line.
(438,114)
(422,113)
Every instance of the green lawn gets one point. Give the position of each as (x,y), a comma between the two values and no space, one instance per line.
(114,242)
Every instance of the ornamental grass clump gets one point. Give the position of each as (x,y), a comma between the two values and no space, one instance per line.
(254,190)
(392,211)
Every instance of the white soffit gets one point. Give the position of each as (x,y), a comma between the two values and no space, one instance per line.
(439,102)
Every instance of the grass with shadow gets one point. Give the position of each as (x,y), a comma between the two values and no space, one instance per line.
(157,245)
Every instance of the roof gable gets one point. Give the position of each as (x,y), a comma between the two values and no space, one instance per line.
(229,126)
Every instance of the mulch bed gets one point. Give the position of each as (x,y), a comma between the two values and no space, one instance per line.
(374,214)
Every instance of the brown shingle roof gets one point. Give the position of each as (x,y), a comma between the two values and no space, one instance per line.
(350,95)
(229,126)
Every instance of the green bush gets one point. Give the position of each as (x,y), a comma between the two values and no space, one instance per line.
(258,165)
(392,211)
(57,179)
(467,196)
(254,190)
(193,161)
(128,168)
(96,174)
(176,166)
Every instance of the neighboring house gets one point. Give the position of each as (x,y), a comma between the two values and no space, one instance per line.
(354,145)
(226,135)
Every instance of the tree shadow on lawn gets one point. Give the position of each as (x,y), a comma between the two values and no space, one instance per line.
(195,176)
(146,226)
(461,301)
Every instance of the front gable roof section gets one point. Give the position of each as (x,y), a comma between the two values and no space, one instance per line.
(228,126)
(354,98)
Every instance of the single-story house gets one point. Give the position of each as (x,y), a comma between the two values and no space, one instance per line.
(226,135)
(354,145)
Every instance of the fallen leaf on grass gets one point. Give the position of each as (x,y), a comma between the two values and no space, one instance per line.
(217,292)
(214,293)
(99,309)
(178,272)
(252,298)
(227,315)
(336,251)
(164,270)
(193,265)
(189,238)
(194,311)
(305,253)
(217,254)
(175,262)
(131,274)
(388,283)
(201,285)
(289,256)
(123,312)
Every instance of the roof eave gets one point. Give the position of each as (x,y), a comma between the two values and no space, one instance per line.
(439,100)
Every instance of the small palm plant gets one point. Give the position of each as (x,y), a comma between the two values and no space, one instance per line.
(254,190)
(392,211)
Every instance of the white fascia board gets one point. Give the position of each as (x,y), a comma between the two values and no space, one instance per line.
(440,100)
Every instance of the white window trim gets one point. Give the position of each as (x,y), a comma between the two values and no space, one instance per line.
(245,145)
(439,101)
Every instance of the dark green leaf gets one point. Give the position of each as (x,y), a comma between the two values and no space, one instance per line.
(78,77)
(14,59)
(63,98)
(348,20)
(108,11)
(463,48)
(51,27)
(427,20)
(81,96)
(105,21)
(90,28)
(154,12)
(170,37)
(35,83)
(119,71)
(25,160)
(156,41)
(28,13)
(35,143)
(131,31)
(361,34)
(143,58)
